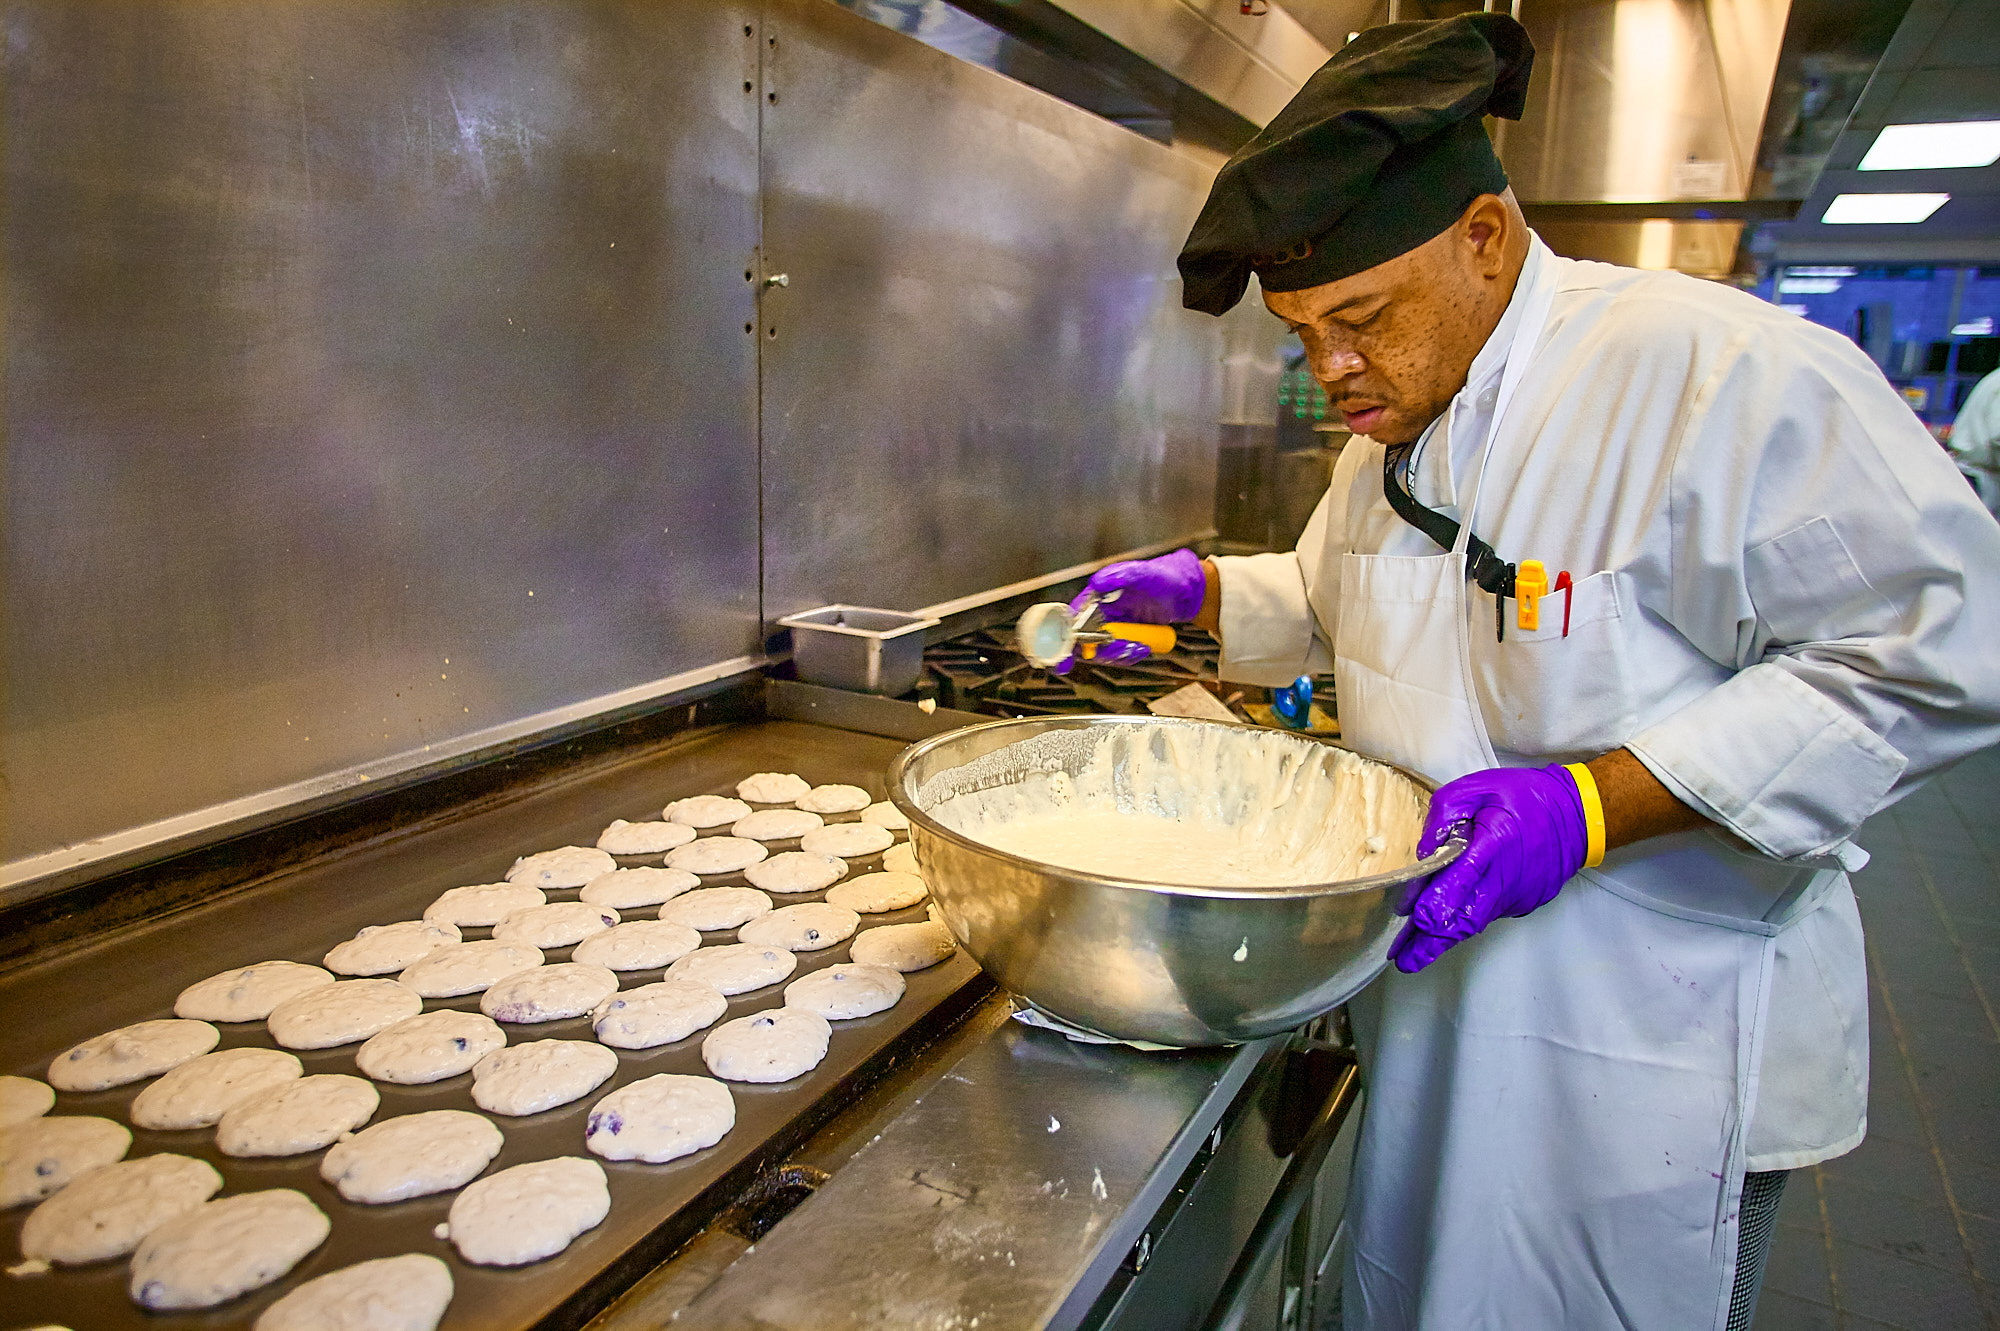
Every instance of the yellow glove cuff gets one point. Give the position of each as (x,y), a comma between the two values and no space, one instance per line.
(1593,813)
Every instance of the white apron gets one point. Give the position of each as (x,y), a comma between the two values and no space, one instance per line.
(1555,1130)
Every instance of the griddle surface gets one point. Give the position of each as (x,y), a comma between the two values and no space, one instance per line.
(136,975)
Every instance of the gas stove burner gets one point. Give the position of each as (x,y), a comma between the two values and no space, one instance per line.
(982,672)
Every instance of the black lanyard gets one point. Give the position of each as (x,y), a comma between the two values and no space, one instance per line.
(1489,570)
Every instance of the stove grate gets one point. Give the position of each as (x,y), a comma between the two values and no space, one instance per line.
(981,672)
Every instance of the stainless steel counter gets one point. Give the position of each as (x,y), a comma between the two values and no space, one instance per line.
(1015,1180)
(1004,1197)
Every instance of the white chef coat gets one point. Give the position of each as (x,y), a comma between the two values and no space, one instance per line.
(1788,597)
(1975,437)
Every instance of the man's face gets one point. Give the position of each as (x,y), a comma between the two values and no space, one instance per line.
(1392,343)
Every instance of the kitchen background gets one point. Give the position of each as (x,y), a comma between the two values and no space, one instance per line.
(393,386)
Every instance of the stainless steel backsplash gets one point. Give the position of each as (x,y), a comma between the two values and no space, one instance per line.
(979,369)
(383,380)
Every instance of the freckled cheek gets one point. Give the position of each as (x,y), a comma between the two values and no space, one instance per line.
(1391,365)
(1426,370)
(1399,356)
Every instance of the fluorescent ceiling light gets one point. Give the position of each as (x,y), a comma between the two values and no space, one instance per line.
(1863,209)
(1932,147)
(1980,327)
(1800,310)
(1809,286)
(1820,270)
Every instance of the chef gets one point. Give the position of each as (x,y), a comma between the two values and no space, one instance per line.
(1671,591)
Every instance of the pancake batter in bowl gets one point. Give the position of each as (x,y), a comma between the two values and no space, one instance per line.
(1202,807)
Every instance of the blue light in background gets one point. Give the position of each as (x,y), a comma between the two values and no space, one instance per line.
(1905,318)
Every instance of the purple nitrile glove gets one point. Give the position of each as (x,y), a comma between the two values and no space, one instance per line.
(1119,651)
(1167,590)
(1525,837)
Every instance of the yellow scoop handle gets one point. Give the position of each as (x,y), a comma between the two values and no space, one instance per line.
(1156,638)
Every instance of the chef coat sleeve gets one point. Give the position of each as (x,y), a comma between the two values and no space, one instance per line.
(1976,430)
(1270,634)
(1829,552)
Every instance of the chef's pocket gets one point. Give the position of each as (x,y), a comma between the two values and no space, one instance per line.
(1555,694)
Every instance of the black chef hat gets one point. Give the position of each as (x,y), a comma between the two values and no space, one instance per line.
(1380,151)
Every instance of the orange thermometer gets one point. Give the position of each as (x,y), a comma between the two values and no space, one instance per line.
(1531,584)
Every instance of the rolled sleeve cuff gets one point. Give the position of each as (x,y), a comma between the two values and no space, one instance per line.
(1773,760)
(1267,621)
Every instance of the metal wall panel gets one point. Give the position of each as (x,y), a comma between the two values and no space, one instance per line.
(979,369)
(1251,63)
(377,377)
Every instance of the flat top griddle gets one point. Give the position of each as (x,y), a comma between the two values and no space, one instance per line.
(136,974)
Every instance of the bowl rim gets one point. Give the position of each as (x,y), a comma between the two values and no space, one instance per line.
(1430,864)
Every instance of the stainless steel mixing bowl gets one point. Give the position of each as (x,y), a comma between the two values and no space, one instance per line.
(1184,966)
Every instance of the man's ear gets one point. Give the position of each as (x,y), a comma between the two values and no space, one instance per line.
(1486,225)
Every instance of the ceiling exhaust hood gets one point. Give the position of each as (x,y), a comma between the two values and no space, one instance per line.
(1223,67)
(1250,62)
(1640,141)
(1641,138)
(1644,101)
(1655,131)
